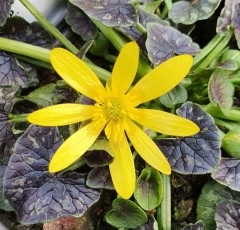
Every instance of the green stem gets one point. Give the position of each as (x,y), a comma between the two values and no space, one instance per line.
(118,42)
(43,54)
(227,124)
(235,80)
(207,49)
(25,49)
(141,28)
(233,114)
(17,117)
(164,210)
(51,28)
(218,48)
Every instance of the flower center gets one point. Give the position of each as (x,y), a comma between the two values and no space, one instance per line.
(115,110)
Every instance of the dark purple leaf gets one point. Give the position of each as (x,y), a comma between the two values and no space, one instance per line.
(4,203)
(12,74)
(36,194)
(109,12)
(188,12)
(198,154)
(100,177)
(227,215)
(164,42)
(228,173)
(230,17)
(197,226)
(18,29)
(5,10)
(80,23)
(221,90)
(99,154)
(144,18)
(15,72)
(7,138)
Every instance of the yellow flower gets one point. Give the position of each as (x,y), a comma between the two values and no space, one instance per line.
(115,112)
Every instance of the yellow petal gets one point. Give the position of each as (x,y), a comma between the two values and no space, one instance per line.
(125,68)
(162,79)
(165,123)
(77,74)
(63,114)
(122,168)
(147,149)
(74,147)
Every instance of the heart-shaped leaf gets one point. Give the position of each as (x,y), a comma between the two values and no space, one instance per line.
(36,194)
(148,191)
(100,177)
(177,95)
(211,194)
(221,90)
(164,42)
(109,12)
(227,215)
(198,154)
(80,23)
(227,173)
(5,10)
(197,226)
(188,12)
(125,214)
(7,138)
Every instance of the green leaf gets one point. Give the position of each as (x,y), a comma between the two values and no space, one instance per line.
(221,90)
(148,191)
(126,214)
(188,12)
(37,195)
(198,154)
(51,94)
(211,194)
(109,12)
(227,215)
(175,96)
